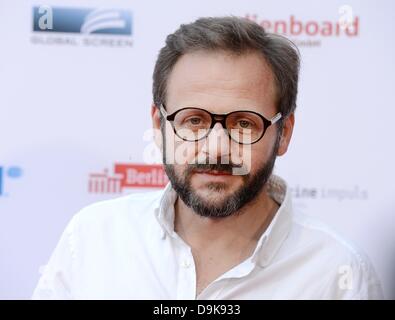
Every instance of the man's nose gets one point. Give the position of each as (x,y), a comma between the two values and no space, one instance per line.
(216,145)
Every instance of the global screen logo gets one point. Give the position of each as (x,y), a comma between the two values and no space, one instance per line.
(82,20)
(8,174)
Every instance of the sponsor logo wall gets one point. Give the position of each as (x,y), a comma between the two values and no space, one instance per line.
(75,112)
(127,176)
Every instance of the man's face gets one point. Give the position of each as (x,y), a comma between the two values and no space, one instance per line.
(220,83)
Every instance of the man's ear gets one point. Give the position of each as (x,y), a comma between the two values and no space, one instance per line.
(155,116)
(286,134)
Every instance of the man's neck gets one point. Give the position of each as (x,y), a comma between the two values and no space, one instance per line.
(229,234)
(220,244)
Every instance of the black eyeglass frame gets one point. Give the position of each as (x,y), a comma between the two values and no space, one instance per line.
(221,118)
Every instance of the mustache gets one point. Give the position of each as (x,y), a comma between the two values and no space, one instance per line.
(207,167)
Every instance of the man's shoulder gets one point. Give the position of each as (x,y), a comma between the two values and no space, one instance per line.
(339,256)
(315,233)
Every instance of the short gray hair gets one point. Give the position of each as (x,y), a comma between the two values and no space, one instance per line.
(235,35)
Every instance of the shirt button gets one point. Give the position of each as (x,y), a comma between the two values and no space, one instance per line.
(186,264)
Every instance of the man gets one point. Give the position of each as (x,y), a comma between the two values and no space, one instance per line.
(224,96)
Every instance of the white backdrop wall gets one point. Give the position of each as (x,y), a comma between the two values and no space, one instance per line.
(75,119)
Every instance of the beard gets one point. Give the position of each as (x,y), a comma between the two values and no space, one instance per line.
(252,186)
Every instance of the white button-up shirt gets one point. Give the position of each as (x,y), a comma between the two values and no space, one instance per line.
(127,248)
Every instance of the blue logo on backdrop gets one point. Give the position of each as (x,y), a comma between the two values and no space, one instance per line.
(8,173)
(84,21)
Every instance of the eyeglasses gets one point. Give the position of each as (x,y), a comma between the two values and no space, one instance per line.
(194,124)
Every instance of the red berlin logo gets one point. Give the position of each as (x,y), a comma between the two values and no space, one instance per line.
(295,27)
(128,176)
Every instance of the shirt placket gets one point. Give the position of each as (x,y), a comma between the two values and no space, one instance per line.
(186,284)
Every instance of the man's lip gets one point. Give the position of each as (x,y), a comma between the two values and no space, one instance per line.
(215,172)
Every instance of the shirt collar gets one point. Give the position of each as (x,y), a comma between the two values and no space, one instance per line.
(165,210)
(269,242)
(279,228)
